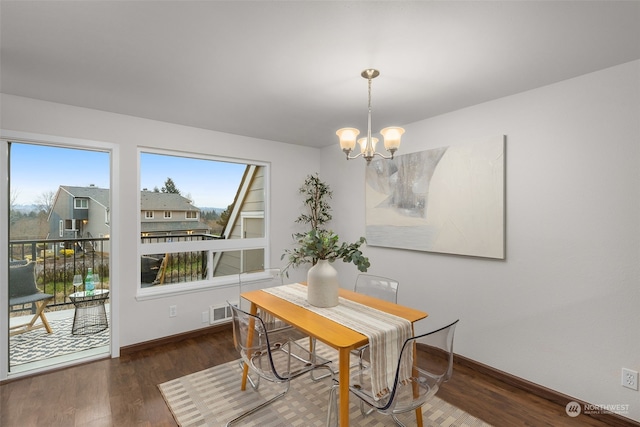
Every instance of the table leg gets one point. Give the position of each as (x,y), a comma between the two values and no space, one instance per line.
(344,365)
(415,388)
(245,370)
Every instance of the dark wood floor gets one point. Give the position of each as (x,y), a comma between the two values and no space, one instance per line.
(124,392)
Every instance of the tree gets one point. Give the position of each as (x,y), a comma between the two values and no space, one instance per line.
(170,187)
(45,201)
(224,216)
(13,214)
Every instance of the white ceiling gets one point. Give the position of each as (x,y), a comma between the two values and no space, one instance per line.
(290,71)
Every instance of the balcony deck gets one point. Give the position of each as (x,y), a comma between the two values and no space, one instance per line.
(37,349)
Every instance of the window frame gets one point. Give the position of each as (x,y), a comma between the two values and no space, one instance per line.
(81,199)
(212,247)
(148,215)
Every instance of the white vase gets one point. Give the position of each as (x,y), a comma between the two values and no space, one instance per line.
(322,284)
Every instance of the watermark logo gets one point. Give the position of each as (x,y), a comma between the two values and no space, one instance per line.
(606,408)
(573,409)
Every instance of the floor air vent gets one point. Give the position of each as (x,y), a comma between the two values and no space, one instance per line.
(220,314)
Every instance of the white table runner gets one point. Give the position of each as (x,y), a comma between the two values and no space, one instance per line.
(386,332)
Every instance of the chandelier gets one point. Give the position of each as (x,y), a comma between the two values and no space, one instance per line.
(391,135)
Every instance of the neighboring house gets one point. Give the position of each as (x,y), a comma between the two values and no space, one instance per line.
(166,214)
(79,212)
(245,221)
(83,212)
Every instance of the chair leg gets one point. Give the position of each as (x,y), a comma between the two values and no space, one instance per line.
(398,422)
(312,349)
(26,327)
(254,385)
(41,306)
(363,409)
(257,408)
(332,410)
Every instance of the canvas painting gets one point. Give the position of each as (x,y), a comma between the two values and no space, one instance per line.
(448,200)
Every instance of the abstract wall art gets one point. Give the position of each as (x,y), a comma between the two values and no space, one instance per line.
(448,200)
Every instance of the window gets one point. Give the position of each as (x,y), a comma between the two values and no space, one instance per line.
(61,228)
(217,242)
(81,203)
(148,214)
(70,224)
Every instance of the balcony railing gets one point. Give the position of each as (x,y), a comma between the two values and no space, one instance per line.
(173,267)
(58,260)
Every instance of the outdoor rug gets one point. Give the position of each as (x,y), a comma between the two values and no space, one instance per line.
(212,397)
(38,344)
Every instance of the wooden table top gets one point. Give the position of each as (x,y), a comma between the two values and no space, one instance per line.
(322,328)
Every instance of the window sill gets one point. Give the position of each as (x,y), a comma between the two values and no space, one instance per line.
(164,291)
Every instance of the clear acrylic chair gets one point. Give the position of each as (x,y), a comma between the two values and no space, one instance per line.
(377,286)
(262,279)
(374,286)
(432,363)
(277,362)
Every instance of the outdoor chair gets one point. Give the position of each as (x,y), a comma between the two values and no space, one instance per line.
(425,362)
(23,291)
(277,362)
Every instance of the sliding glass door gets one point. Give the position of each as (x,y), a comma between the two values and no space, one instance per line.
(58,254)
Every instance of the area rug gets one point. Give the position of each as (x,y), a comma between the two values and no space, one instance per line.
(39,345)
(212,397)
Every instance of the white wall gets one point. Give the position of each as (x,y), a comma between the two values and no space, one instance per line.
(141,321)
(563,309)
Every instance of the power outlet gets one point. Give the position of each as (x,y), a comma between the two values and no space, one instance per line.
(205,317)
(629,379)
(173,310)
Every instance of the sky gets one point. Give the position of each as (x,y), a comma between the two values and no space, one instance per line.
(208,183)
(37,169)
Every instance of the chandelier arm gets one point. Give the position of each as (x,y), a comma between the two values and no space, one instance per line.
(350,157)
(383,156)
(369,157)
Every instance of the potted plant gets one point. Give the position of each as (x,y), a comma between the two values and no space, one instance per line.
(320,247)
(323,245)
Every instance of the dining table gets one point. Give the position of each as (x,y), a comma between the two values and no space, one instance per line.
(330,332)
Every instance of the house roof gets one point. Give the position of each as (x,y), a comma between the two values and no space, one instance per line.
(156,201)
(150,200)
(100,195)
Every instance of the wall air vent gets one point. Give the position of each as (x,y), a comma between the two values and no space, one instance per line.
(220,314)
